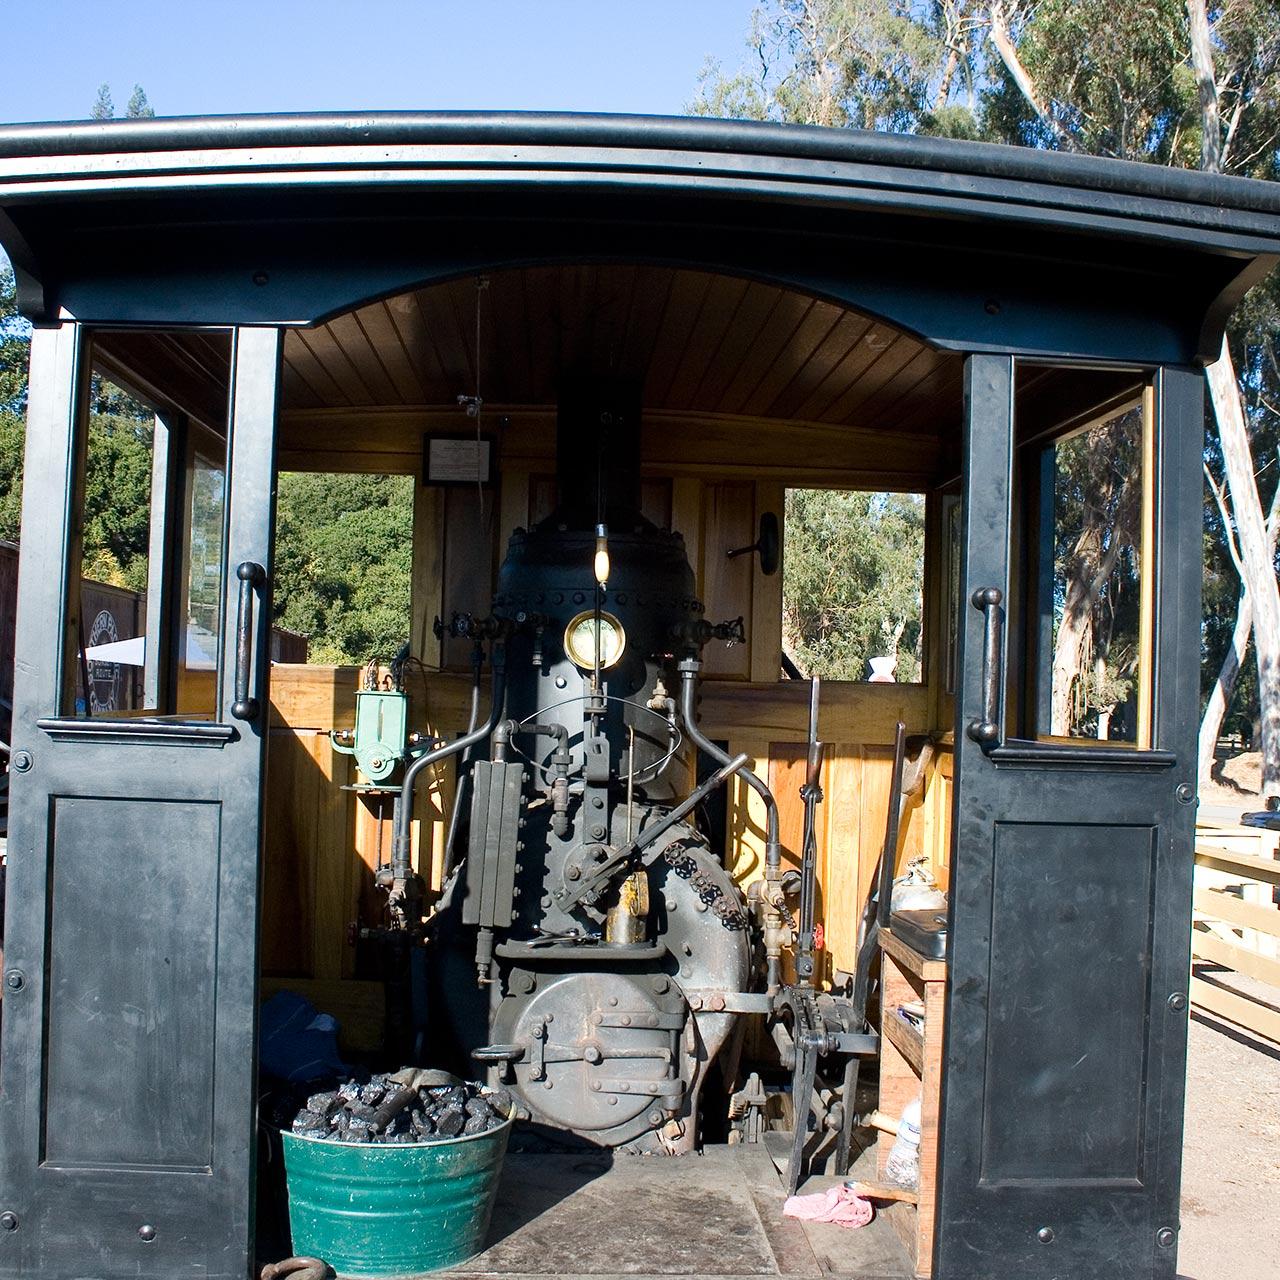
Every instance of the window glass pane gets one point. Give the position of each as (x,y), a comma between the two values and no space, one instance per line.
(146,561)
(114,549)
(853,584)
(197,655)
(1091,662)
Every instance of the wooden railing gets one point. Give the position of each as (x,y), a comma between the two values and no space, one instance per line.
(1236,927)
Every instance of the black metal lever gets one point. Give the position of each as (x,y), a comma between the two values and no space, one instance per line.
(251,575)
(986,731)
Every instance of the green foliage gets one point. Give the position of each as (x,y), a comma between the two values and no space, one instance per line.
(14,345)
(116,520)
(344,549)
(896,65)
(1112,73)
(852,581)
(138,107)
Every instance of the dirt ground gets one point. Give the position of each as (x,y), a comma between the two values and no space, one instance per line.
(1231,1156)
(1231,1149)
(1235,782)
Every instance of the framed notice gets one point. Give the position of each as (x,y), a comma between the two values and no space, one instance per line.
(457,460)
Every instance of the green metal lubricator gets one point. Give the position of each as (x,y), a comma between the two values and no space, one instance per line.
(380,739)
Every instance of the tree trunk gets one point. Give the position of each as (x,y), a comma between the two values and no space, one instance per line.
(1220,695)
(1256,557)
(1002,37)
(1202,64)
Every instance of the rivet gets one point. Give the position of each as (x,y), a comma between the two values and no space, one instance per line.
(1165,1237)
(15,980)
(561,682)
(1045,1235)
(613,1000)
(1178,1001)
(147,1233)
(546,1084)
(9,1221)
(1185,793)
(626,1019)
(655,1117)
(21,761)
(613,1102)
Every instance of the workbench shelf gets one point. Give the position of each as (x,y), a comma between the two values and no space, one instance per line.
(911,1063)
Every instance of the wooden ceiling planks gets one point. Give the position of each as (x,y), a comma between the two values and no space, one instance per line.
(697,342)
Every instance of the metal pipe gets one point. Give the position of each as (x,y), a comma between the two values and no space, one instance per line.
(464,777)
(689,670)
(402,842)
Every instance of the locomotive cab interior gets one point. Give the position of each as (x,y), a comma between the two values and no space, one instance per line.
(601,459)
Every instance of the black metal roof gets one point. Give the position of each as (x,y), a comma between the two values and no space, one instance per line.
(171,219)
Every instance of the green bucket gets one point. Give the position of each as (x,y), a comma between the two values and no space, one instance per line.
(392,1211)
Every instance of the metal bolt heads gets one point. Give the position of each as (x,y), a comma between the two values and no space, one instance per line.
(1165,1237)
(1045,1235)
(1185,793)
(9,1221)
(1177,1002)
(15,980)
(21,761)
(146,1233)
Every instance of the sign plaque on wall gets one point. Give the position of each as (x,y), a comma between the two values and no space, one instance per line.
(456,460)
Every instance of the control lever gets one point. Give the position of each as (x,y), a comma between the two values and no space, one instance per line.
(811,794)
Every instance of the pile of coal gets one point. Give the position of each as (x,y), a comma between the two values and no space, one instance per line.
(414,1105)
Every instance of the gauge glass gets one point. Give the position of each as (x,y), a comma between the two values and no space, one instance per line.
(580,640)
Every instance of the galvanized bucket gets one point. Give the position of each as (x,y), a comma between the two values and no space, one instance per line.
(374,1211)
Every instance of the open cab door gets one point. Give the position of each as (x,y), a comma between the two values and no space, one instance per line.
(1074,821)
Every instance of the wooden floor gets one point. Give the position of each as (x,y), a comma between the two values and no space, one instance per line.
(716,1214)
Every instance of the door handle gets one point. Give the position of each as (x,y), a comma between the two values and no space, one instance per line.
(251,575)
(986,731)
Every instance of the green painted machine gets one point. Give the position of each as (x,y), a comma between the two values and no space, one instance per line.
(380,739)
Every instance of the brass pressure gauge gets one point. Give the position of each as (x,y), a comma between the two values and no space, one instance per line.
(580,640)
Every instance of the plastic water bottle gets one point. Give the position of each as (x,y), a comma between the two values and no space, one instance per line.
(903,1165)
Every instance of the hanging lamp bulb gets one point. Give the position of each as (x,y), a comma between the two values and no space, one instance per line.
(602,554)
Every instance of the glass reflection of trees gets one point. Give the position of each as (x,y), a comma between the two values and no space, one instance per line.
(1097,525)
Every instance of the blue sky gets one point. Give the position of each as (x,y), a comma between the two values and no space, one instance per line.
(198,57)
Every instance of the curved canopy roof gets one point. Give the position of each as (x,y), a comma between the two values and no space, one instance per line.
(292,220)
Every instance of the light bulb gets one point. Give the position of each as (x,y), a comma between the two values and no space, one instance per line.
(602,554)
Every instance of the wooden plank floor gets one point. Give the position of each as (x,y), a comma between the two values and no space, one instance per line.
(718,1214)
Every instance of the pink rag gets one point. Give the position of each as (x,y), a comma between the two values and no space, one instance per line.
(839,1205)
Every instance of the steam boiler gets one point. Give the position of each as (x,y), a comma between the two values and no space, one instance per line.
(590,948)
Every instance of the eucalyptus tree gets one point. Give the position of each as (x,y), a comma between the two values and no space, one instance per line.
(1170,82)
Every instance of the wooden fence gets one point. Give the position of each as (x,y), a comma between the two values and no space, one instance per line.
(1235,933)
